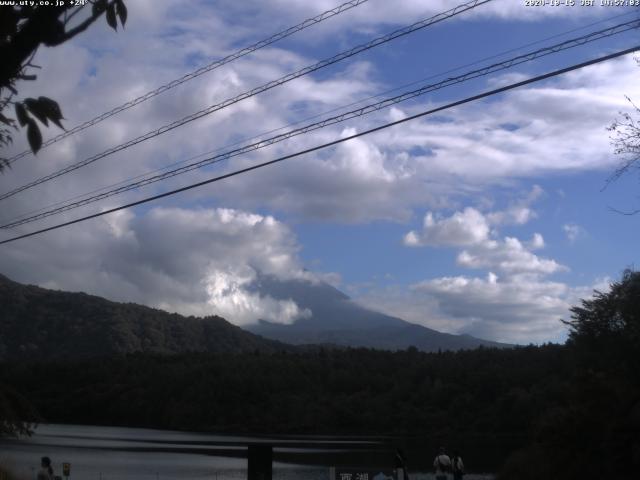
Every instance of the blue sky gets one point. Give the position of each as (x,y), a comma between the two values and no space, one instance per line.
(489,219)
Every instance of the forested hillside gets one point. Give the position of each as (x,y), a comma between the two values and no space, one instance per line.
(37,323)
(473,398)
(554,411)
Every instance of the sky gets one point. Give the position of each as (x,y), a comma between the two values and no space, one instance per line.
(491,218)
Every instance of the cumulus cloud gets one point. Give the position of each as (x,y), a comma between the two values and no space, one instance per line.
(515,302)
(537,242)
(520,309)
(196,262)
(371,16)
(509,256)
(180,257)
(468,227)
(472,227)
(520,211)
(573,231)
(512,309)
(382,177)
(228,296)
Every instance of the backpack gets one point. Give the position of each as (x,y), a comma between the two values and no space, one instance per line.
(443,466)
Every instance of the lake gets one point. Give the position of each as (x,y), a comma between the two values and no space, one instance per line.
(118,453)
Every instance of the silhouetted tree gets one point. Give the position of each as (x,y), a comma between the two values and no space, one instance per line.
(17,414)
(613,313)
(22,30)
(591,431)
(625,139)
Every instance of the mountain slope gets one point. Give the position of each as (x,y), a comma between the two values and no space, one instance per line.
(336,319)
(36,323)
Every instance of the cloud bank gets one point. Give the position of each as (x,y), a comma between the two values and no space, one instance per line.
(195,262)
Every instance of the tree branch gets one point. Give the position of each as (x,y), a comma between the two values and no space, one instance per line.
(79,28)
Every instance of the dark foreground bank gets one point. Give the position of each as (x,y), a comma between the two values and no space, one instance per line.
(553,411)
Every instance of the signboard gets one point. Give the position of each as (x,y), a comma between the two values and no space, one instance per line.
(364,473)
(66,469)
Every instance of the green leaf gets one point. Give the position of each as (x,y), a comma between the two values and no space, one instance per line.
(36,109)
(52,110)
(98,7)
(21,114)
(111,16)
(34,136)
(52,33)
(6,120)
(121,10)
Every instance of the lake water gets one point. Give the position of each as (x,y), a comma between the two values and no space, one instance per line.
(114,453)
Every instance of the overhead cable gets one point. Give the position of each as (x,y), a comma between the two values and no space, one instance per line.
(367,109)
(200,71)
(267,86)
(332,143)
(311,117)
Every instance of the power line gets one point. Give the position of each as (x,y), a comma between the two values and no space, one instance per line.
(33,213)
(365,110)
(334,142)
(200,71)
(267,86)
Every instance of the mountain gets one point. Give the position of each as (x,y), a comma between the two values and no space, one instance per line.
(42,324)
(336,319)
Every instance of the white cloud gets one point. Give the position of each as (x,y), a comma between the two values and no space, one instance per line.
(509,256)
(229,298)
(468,227)
(196,262)
(372,15)
(423,163)
(573,231)
(180,258)
(537,242)
(514,303)
(472,227)
(517,309)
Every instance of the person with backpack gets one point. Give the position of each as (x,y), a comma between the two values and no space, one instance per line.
(400,465)
(46,471)
(457,466)
(442,465)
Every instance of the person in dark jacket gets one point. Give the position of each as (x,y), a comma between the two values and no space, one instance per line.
(457,466)
(45,472)
(400,465)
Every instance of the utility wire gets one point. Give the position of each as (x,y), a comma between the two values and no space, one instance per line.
(200,71)
(527,57)
(326,112)
(334,142)
(267,86)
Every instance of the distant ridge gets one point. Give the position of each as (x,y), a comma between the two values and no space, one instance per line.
(338,320)
(41,324)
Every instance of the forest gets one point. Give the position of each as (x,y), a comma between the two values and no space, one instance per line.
(548,411)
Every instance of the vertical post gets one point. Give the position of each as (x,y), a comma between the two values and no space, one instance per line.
(259,462)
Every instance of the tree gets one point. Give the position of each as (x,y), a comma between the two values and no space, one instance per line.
(22,30)
(612,314)
(625,139)
(592,432)
(17,414)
